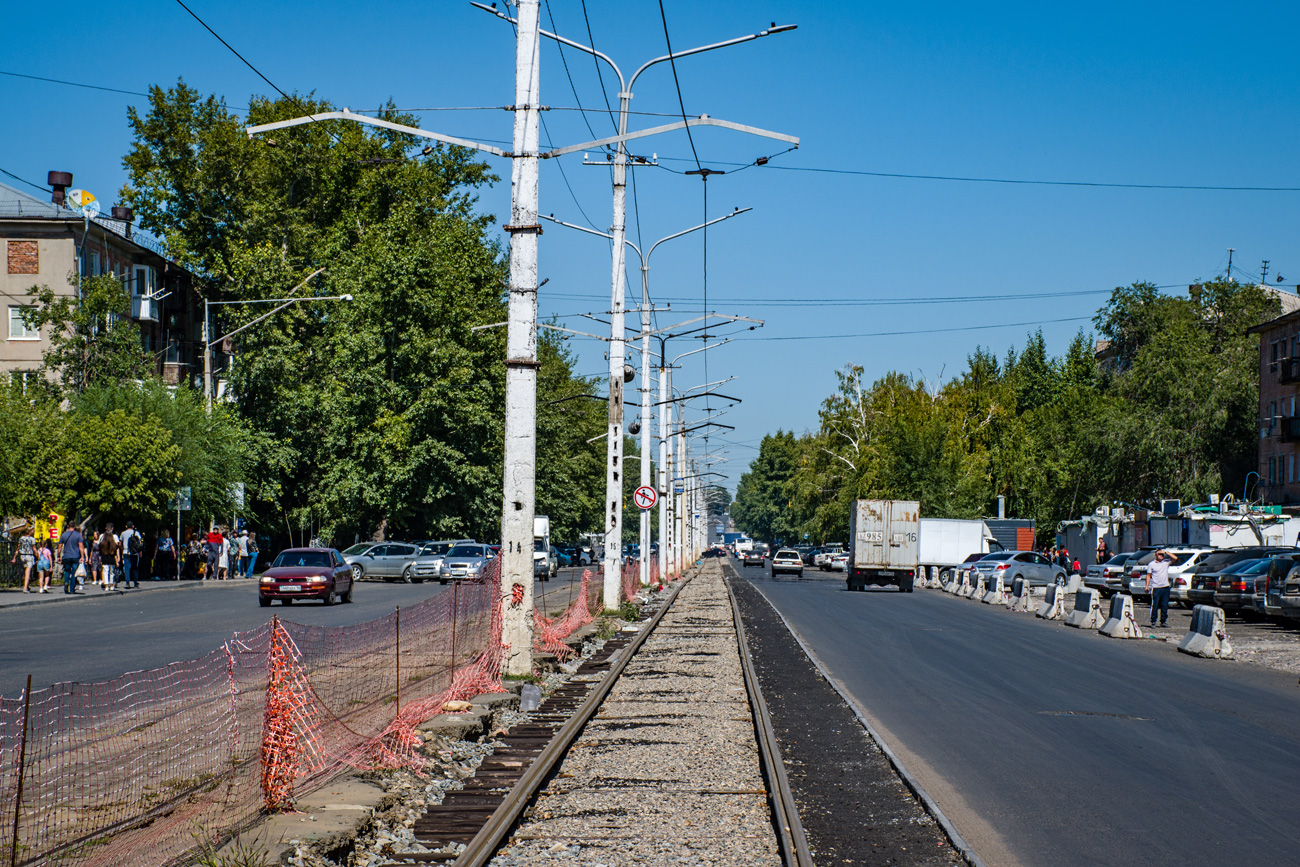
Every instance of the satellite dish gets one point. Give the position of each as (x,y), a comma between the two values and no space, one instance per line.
(85,203)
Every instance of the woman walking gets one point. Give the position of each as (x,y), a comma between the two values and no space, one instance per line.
(45,565)
(27,551)
(96,561)
(164,558)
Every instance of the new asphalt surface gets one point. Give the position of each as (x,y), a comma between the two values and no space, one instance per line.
(97,636)
(1046,745)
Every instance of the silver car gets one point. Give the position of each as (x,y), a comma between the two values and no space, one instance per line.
(465,562)
(427,566)
(1030,565)
(386,561)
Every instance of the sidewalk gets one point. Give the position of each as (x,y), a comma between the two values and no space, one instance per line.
(12,597)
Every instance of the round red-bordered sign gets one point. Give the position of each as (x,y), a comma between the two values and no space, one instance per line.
(645,497)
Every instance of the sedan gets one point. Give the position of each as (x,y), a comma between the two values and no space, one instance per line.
(787,560)
(1036,569)
(1236,592)
(306,573)
(838,562)
(466,562)
(1100,575)
(753,557)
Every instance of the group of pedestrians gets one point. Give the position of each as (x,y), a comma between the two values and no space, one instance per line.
(1061,557)
(108,560)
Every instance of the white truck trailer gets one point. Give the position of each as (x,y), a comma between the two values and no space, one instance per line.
(545,563)
(884,542)
(947,542)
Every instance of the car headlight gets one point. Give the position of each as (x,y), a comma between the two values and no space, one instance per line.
(267,580)
(317,579)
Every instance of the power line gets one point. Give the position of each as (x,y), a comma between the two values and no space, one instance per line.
(920,331)
(677,84)
(867,302)
(195,16)
(25,181)
(591,40)
(78,84)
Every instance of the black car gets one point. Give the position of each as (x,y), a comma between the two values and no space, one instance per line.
(1205,577)
(1236,590)
(755,556)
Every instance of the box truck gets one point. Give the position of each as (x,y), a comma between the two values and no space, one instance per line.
(545,561)
(947,542)
(884,538)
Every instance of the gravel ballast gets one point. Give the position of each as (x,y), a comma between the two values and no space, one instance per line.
(667,772)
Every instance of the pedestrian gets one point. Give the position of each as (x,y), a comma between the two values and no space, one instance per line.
(212,552)
(132,548)
(27,551)
(1158,587)
(1103,551)
(1074,567)
(241,548)
(164,557)
(194,553)
(72,552)
(96,563)
(110,557)
(44,565)
(252,554)
(223,559)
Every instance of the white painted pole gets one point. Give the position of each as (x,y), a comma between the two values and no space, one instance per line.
(665,410)
(646,433)
(617,359)
(519,488)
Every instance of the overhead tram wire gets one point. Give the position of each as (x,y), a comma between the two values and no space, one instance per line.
(918,331)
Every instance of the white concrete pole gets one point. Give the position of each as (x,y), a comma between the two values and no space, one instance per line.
(519,489)
(665,530)
(617,360)
(646,433)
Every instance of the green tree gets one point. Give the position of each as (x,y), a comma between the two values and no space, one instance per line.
(93,340)
(763,506)
(122,465)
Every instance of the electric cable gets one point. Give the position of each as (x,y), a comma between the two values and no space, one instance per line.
(677,84)
(918,331)
(25,181)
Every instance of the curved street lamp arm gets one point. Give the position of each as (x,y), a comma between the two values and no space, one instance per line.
(492,10)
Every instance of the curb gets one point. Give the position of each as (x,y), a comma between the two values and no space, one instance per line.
(958,842)
(60,596)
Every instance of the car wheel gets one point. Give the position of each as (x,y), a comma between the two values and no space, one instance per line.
(406,575)
(357,572)
(442,581)
(329,598)
(264,601)
(346,597)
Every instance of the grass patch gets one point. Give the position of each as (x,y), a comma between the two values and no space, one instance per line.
(522,678)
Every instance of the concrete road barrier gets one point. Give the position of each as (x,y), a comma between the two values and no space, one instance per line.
(959,580)
(1208,637)
(1053,607)
(1073,583)
(977,590)
(997,594)
(1022,596)
(1087,610)
(1121,623)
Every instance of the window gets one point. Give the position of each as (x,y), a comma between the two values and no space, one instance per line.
(1290,468)
(18,329)
(145,281)
(1272,471)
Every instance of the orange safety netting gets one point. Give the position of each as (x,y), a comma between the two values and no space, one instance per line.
(549,634)
(136,770)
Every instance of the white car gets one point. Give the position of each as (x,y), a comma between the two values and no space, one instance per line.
(1181,563)
(838,562)
(822,559)
(787,560)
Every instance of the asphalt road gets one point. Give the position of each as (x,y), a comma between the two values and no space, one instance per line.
(103,636)
(1046,745)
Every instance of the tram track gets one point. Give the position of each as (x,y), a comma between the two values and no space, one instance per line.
(496,802)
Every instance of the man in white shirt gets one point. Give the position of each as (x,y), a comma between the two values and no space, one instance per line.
(1158,587)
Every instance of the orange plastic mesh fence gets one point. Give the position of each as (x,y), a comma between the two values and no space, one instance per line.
(134,771)
(549,634)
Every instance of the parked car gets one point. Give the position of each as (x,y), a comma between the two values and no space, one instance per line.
(1099,574)
(787,560)
(809,556)
(387,561)
(1203,581)
(1255,610)
(1285,594)
(466,562)
(1236,591)
(305,573)
(838,562)
(427,565)
(1030,565)
(822,558)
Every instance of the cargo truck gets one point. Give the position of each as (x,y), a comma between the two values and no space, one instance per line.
(947,542)
(884,542)
(545,561)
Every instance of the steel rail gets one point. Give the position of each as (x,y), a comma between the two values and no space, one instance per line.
(489,838)
(791,836)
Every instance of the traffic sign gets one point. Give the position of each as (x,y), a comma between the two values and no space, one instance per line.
(645,497)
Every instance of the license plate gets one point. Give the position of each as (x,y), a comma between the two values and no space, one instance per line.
(886,572)
(291,587)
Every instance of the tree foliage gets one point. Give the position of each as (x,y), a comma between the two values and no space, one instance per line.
(93,340)
(1170,414)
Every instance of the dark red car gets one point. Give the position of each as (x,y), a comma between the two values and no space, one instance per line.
(306,573)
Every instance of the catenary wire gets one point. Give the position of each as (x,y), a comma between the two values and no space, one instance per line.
(677,84)
(917,331)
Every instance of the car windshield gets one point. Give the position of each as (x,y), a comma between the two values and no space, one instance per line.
(315,559)
(1117,560)
(788,554)
(359,549)
(539,545)
(466,551)
(435,548)
(1253,567)
(995,555)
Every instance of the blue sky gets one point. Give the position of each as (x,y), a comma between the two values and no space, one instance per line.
(1156,93)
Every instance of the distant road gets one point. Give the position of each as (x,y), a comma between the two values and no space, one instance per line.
(96,638)
(1054,746)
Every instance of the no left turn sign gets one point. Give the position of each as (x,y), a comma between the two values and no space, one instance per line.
(645,497)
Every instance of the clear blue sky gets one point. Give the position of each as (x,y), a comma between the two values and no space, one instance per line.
(1134,93)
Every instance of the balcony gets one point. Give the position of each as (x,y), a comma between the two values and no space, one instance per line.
(1289,370)
(1289,430)
(144,308)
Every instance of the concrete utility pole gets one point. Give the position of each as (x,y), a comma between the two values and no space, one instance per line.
(519,490)
(646,333)
(614,469)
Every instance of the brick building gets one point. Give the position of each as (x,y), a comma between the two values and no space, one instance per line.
(42,243)
(1279,404)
